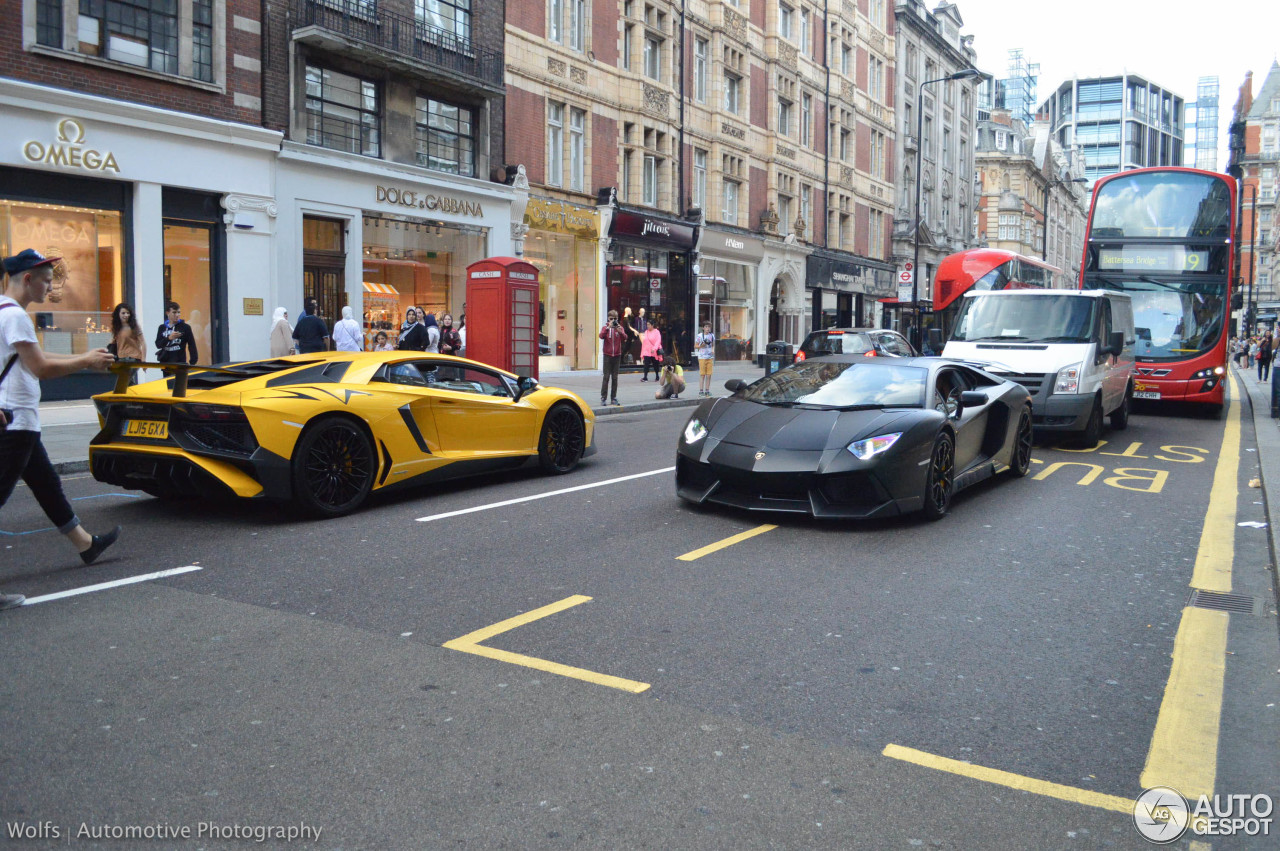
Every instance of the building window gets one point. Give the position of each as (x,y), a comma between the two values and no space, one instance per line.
(878,144)
(785,218)
(732,93)
(202,39)
(785,15)
(806,205)
(784,117)
(650,190)
(701,52)
(699,179)
(806,120)
(846,59)
(445,136)
(1010,227)
(628,34)
(877,13)
(144,33)
(652,57)
(451,17)
(555,144)
(624,189)
(846,149)
(806,32)
(875,86)
(577,148)
(555,26)
(342,112)
(875,234)
(730,213)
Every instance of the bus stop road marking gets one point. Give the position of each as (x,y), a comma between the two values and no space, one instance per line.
(102,586)
(727,542)
(1070,794)
(470,643)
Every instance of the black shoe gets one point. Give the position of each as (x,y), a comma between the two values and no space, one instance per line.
(100,543)
(603,401)
(615,402)
(9,601)
(644,379)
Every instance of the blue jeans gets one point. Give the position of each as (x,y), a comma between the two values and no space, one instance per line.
(22,456)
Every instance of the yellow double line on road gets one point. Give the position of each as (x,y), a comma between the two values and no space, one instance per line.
(1184,746)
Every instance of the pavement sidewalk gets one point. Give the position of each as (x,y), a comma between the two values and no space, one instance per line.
(69,426)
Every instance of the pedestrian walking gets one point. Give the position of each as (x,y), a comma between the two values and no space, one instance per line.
(615,340)
(174,337)
(433,333)
(672,382)
(1265,353)
(450,340)
(25,364)
(704,345)
(311,333)
(347,334)
(650,344)
(281,334)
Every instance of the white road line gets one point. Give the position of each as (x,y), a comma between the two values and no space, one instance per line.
(544,495)
(102,586)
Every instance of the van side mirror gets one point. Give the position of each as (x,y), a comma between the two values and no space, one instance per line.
(1115,343)
(733,385)
(935,339)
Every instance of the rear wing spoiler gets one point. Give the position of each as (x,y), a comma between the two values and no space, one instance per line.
(124,369)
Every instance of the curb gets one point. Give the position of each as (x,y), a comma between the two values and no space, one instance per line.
(63,468)
(645,406)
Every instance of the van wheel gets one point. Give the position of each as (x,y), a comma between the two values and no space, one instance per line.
(1093,429)
(1120,416)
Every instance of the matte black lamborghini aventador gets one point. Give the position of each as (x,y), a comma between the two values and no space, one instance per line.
(852,436)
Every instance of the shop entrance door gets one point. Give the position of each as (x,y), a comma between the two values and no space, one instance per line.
(188,281)
(324,259)
(325,285)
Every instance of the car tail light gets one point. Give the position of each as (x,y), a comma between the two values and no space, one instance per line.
(870,353)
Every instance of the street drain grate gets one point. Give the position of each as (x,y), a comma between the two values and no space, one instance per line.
(1240,603)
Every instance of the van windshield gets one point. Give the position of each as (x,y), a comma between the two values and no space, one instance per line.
(1026,319)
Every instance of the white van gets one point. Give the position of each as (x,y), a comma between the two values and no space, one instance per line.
(1071,349)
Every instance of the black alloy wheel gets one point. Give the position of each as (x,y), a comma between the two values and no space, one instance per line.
(1120,416)
(563,440)
(940,481)
(1020,462)
(333,467)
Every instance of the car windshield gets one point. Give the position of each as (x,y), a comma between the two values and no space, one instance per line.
(841,385)
(826,343)
(1026,318)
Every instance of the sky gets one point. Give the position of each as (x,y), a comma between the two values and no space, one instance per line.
(1172,44)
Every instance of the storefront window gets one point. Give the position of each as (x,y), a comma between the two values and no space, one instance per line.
(188,280)
(726,293)
(89,281)
(567,299)
(658,281)
(416,263)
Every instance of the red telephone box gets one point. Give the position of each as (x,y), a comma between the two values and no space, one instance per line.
(502,314)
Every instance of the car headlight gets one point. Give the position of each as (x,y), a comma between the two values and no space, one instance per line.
(1210,372)
(1068,380)
(871,446)
(694,431)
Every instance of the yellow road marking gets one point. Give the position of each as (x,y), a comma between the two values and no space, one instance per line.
(1013,781)
(727,542)
(1184,746)
(470,643)
(1217,538)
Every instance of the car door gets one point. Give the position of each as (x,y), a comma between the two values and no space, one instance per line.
(970,423)
(476,414)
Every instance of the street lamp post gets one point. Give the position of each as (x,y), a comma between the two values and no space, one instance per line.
(1048,192)
(966,74)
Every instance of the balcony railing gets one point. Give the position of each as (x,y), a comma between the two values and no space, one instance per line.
(397,36)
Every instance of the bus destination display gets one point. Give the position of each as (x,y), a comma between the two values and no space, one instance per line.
(1153,258)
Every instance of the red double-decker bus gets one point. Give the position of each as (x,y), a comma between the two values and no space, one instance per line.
(1164,236)
(986,269)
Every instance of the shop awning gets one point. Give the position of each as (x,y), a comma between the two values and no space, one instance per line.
(381,289)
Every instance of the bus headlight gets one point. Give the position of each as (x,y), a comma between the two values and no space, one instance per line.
(1210,372)
(1068,380)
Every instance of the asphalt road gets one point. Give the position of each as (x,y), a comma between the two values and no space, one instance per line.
(772,693)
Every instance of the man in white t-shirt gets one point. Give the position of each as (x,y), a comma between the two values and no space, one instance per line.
(22,455)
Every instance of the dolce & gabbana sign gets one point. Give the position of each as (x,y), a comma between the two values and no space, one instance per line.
(416,200)
(69,149)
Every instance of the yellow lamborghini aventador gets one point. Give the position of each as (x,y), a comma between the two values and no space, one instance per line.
(324,430)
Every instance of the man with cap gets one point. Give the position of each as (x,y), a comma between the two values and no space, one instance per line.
(22,455)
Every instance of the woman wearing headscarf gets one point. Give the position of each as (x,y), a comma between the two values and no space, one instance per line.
(433,333)
(347,335)
(414,336)
(281,334)
(410,319)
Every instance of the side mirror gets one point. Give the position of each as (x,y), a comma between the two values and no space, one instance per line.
(733,385)
(1115,343)
(935,339)
(524,386)
(971,398)
(1237,300)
